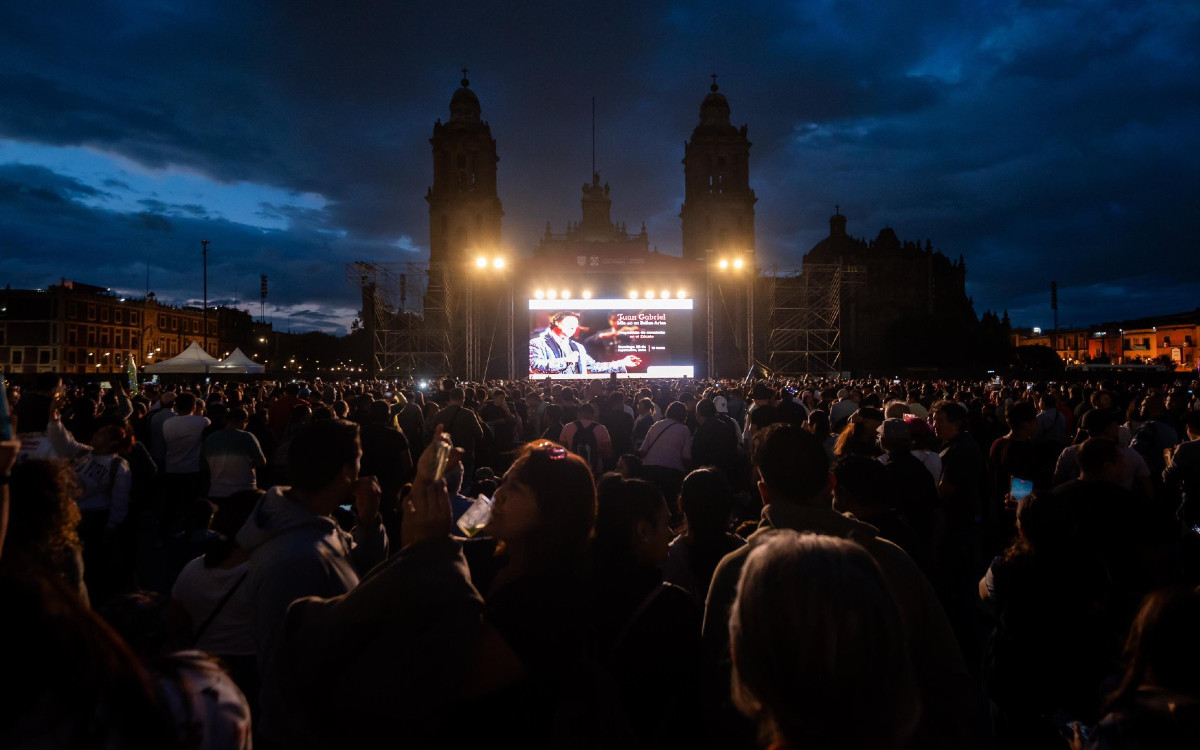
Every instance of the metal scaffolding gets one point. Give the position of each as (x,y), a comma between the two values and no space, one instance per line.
(406,340)
(806,320)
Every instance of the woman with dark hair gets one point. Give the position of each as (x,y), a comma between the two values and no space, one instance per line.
(706,499)
(819,656)
(1157,704)
(647,631)
(42,522)
(504,644)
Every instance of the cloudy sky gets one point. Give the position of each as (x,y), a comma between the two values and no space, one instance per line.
(1041,140)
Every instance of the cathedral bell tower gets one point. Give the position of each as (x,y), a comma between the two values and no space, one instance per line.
(718,207)
(464,208)
(464,218)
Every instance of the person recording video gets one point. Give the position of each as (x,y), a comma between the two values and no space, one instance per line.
(556,351)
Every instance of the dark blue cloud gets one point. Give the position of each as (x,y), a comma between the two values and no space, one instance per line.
(1040,140)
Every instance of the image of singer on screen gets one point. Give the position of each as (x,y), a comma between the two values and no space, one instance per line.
(556,352)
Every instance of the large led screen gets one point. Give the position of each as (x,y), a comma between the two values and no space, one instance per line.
(592,338)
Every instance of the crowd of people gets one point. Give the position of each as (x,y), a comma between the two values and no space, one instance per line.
(784,563)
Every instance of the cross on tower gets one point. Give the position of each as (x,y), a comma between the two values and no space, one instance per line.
(465,82)
(714,83)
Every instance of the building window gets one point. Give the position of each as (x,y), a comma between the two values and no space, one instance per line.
(104,338)
(43,356)
(72,310)
(1187,340)
(133,317)
(16,356)
(118,316)
(91,311)
(71,337)
(174,323)
(162,321)
(104,315)
(133,341)
(70,356)
(117,339)
(91,336)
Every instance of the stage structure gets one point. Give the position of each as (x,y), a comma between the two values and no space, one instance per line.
(806,319)
(406,340)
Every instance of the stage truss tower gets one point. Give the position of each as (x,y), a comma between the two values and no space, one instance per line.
(407,339)
(806,320)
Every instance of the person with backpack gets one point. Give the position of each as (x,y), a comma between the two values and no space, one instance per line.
(588,438)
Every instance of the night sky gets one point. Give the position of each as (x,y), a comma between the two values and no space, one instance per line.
(1040,140)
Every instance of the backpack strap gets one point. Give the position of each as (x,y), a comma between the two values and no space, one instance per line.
(220,605)
(637,614)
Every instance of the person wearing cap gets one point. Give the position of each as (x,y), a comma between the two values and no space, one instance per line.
(722,406)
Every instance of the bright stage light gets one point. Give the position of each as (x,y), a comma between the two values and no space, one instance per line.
(649,294)
(540,294)
(633,294)
(551,294)
(498,263)
(664,294)
(737,263)
(566,294)
(481,262)
(587,294)
(681,294)
(724,264)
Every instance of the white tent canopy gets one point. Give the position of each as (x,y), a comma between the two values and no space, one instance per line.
(191,360)
(238,362)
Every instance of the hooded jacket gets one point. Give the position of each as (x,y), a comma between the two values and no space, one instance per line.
(295,553)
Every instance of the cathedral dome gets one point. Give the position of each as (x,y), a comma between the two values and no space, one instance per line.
(464,105)
(715,108)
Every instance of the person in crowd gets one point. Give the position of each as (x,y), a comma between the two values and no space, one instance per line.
(618,421)
(1051,424)
(588,438)
(795,486)
(38,425)
(105,482)
(296,548)
(860,434)
(647,630)
(1045,654)
(183,436)
(865,490)
(911,490)
(643,422)
(386,456)
(1135,475)
(43,523)
(706,500)
(553,419)
(207,708)
(818,647)
(505,642)
(714,443)
(667,453)
(211,609)
(1157,704)
(1183,471)
(463,424)
(233,458)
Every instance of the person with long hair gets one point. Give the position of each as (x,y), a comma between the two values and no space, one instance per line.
(1157,704)
(43,521)
(818,647)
